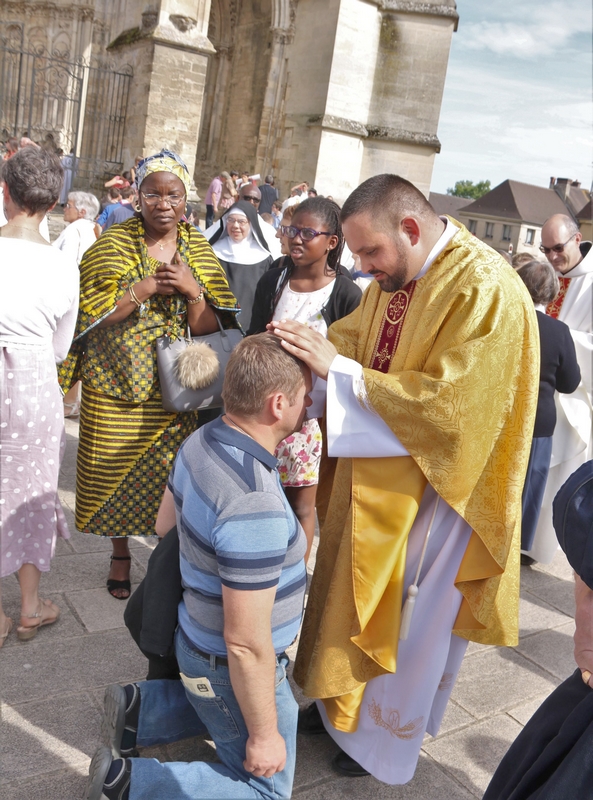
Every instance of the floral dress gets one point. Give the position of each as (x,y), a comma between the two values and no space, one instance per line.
(300,453)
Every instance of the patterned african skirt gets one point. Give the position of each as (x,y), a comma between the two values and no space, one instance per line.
(125,453)
(299,456)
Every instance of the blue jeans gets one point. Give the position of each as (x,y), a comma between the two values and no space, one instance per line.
(168,712)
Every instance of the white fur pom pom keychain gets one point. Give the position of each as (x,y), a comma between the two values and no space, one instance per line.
(197,366)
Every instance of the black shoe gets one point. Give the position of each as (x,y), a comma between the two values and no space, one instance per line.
(109,778)
(347,766)
(120,720)
(527,561)
(310,722)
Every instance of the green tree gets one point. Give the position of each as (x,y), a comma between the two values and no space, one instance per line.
(469,189)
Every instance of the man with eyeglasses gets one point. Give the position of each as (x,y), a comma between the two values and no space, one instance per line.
(250,193)
(573,440)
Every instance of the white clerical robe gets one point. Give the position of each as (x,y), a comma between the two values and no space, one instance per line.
(573,436)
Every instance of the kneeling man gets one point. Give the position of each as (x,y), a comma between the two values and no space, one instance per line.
(243,575)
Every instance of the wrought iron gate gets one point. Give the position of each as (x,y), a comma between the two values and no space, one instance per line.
(74,106)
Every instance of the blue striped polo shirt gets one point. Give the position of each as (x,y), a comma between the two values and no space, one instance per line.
(237,529)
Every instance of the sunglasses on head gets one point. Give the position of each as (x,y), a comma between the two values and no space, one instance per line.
(251,199)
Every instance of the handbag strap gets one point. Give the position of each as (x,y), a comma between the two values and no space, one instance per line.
(220,328)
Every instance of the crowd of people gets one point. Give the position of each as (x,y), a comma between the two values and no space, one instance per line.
(398,381)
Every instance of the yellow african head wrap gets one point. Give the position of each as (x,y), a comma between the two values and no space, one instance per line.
(165,161)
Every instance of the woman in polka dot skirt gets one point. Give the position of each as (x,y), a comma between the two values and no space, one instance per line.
(38,306)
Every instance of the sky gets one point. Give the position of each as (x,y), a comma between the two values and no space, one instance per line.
(518,94)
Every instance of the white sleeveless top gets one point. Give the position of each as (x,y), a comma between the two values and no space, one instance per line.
(304,307)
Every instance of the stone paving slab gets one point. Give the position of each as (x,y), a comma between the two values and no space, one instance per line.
(429,783)
(62,666)
(97,612)
(495,680)
(56,785)
(472,755)
(535,614)
(555,592)
(553,650)
(523,712)
(49,734)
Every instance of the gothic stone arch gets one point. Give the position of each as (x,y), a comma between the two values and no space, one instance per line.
(242,87)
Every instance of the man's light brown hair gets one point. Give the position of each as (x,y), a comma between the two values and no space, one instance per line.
(258,367)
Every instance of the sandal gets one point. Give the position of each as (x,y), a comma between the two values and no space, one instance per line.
(4,636)
(72,409)
(27,632)
(113,585)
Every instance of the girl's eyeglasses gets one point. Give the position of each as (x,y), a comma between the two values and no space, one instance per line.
(306,234)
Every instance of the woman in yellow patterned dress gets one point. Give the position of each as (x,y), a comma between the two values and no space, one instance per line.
(148,276)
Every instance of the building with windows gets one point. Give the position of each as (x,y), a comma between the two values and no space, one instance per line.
(329,91)
(510,217)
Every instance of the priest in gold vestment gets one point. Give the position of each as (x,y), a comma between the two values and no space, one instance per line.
(431,394)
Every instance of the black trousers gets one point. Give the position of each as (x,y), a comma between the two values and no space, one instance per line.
(151,611)
(534,488)
(552,757)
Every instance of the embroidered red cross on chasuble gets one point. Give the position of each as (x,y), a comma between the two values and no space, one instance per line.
(391,329)
(553,308)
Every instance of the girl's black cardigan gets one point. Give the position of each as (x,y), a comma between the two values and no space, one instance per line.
(344,298)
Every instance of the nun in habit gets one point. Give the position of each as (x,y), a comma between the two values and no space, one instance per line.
(243,252)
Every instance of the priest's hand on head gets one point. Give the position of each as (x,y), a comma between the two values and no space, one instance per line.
(306,344)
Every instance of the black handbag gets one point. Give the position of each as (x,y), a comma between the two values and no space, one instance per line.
(191,369)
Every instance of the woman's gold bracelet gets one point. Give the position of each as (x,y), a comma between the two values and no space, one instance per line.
(133,297)
(198,298)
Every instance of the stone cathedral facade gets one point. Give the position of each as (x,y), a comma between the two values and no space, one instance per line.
(329,91)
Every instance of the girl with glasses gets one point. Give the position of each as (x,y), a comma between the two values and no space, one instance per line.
(310,287)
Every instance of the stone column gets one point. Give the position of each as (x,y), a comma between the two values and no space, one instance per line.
(411,65)
(224,58)
(168,50)
(363,91)
(273,103)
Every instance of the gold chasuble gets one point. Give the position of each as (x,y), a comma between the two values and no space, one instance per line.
(451,364)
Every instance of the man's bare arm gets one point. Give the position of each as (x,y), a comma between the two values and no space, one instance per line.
(252,666)
(165,519)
